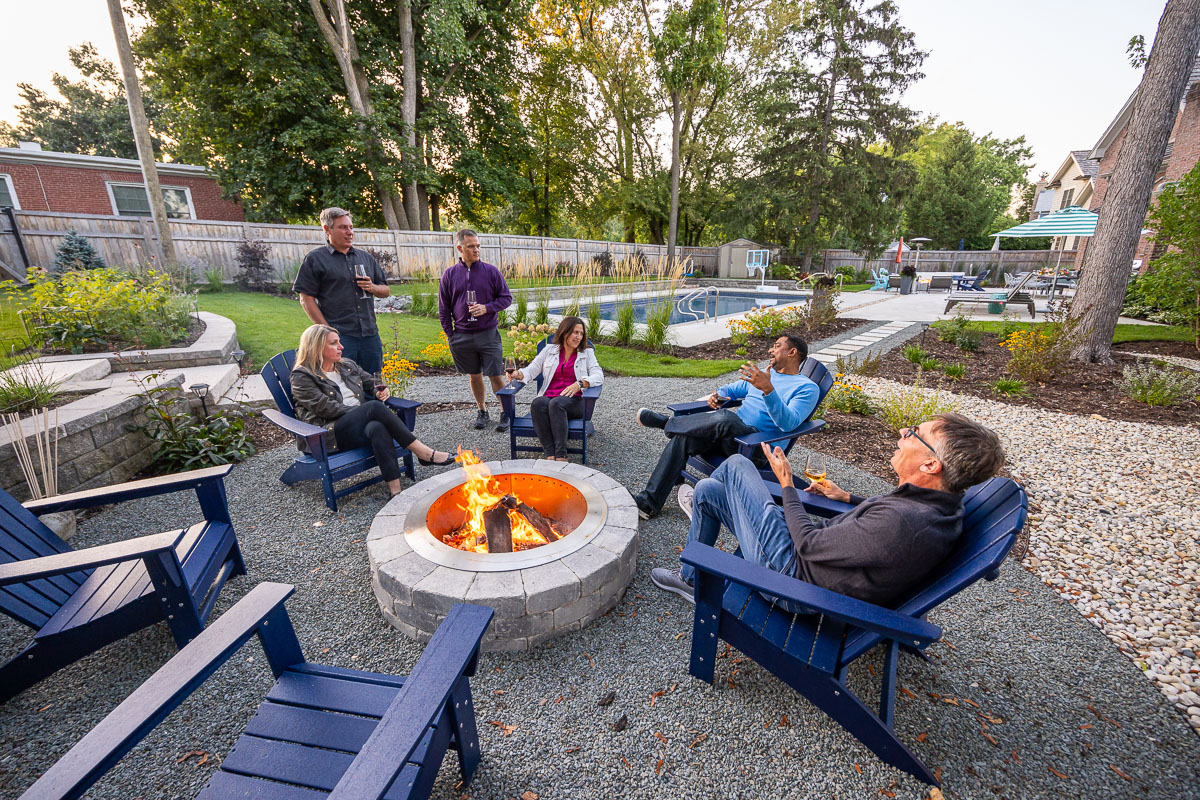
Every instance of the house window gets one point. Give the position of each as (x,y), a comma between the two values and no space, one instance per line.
(8,195)
(131,200)
(1067,195)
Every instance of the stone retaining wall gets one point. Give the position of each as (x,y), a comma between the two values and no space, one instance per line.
(215,346)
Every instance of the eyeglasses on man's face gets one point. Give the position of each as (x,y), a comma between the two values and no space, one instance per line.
(913,433)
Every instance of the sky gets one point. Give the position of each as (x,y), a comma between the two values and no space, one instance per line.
(1054,71)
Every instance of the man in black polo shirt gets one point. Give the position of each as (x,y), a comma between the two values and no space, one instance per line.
(331,293)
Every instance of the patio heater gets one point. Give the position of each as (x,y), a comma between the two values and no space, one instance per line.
(918,243)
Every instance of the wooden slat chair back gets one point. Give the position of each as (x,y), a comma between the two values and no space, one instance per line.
(321,731)
(521,427)
(77,601)
(812,652)
(321,463)
(703,465)
(1014,294)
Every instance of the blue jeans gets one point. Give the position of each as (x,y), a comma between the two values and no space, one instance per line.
(366,351)
(736,497)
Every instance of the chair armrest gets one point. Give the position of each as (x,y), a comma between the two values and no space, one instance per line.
(131,490)
(48,566)
(750,442)
(697,406)
(150,703)
(450,655)
(405,409)
(508,397)
(292,425)
(884,621)
(590,395)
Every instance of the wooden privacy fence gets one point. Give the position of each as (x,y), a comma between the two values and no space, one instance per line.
(202,245)
(972,262)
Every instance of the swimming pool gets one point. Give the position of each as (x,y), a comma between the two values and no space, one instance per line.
(718,304)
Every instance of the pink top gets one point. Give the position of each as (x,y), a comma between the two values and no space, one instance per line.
(564,376)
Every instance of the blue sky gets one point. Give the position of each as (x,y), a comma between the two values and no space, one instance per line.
(995,66)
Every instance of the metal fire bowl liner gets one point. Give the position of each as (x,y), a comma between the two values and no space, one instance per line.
(545,486)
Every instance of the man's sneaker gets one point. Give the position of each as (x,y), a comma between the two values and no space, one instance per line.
(651,419)
(481,420)
(671,580)
(504,422)
(643,506)
(685,499)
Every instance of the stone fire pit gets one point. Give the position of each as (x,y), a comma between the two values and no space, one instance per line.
(538,593)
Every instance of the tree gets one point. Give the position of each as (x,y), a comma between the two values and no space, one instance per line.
(834,127)
(76,253)
(964,183)
(92,117)
(1172,282)
(1106,265)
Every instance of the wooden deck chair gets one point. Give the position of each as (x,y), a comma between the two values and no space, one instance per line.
(321,463)
(812,652)
(1014,294)
(78,601)
(321,732)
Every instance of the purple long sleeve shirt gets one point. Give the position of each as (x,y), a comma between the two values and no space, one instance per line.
(490,289)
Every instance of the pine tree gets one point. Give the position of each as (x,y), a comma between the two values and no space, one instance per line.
(76,253)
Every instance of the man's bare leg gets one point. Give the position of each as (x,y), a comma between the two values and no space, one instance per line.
(477,389)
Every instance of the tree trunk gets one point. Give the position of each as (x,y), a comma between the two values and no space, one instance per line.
(408,109)
(817,183)
(673,220)
(1106,266)
(336,30)
(435,212)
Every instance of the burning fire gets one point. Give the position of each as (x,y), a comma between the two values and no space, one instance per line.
(481,493)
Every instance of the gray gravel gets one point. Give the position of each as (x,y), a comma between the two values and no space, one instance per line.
(1014,647)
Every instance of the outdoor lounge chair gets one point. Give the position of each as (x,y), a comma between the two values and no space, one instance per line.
(320,732)
(79,601)
(522,427)
(320,463)
(706,463)
(1013,295)
(969,283)
(812,652)
(941,282)
(881,280)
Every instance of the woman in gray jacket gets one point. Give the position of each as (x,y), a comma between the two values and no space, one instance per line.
(332,392)
(568,366)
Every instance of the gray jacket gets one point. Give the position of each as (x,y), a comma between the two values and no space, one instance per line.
(318,400)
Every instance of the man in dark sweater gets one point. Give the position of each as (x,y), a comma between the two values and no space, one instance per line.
(880,550)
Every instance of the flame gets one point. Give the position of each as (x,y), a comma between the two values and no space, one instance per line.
(481,493)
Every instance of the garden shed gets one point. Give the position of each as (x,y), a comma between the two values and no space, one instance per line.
(731,257)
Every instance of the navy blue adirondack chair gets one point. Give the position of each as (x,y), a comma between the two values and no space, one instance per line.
(812,652)
(78,601)
(321,463)
(522,427)
(971,284)
(705,463)
(321,732)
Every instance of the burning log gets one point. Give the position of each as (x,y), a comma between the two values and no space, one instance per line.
(532,515)
(499,529)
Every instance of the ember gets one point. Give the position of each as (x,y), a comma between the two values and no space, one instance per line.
(495,521)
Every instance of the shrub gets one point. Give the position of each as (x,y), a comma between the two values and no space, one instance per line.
(1158,385)
(625,316)
(525,340)
(398,372)
(866,365)
(286,277)
(739,332)
(438,353)
(913,353)
(846,271)
(847,397)
(522,312)
(386,259)
(1010,387)
(930,364)
(76,253)
(254,264)
(911,405)
(863,275)
(741,352)
(959,332)
(214,278)
(185,442)
(956,371)
(1028,351)
(502,318)
(1172,282)
(908,271)
(424,304)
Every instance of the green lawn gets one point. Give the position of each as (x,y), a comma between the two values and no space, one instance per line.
(268,325)
(1126,332)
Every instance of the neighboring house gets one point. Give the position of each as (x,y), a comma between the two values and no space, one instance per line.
(1071,185)
(1183,151)
(32,179)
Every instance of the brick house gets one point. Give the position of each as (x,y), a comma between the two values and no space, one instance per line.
(1072,184)
(1183,151)
(32,179)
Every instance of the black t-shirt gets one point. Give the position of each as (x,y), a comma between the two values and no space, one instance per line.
(328,276)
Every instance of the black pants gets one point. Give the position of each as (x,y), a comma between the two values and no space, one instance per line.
(689,436)
(550,415)
(376,425)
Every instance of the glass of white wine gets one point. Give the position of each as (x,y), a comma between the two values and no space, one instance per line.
(814,467)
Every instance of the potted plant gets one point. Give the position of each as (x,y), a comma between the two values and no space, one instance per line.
(908,274)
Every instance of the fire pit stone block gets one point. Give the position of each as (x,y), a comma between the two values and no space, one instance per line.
(549,586)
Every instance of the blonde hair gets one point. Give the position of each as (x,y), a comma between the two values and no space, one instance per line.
(312,344)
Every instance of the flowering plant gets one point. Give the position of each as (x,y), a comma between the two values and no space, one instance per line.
(525,340)
(397,373)
(438,353)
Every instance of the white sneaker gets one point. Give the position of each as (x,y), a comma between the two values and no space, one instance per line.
(685,499)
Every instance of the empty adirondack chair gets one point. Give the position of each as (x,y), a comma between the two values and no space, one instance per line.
(880,280)
(321,463)
(522,427)
(971,284)
(321,732)
(78,601)
(812,652)
(702,466)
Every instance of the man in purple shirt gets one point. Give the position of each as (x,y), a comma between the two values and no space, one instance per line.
(470,320)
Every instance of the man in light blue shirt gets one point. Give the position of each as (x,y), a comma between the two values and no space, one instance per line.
(773,401)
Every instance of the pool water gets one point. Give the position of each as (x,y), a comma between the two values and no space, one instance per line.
(731,302)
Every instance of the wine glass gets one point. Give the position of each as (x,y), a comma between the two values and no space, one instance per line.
(510,367)
(470,301)
(377,379)
(360,271)
(814,467)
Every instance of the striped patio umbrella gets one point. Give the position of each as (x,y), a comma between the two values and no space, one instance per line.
(1070,221)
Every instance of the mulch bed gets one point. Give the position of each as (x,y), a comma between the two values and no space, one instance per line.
(865,442)
(757,346)
(1084,389)
(1179,349)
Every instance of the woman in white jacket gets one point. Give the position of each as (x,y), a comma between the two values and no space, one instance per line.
(568,366)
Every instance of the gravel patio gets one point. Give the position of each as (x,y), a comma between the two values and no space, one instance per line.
(1026,697)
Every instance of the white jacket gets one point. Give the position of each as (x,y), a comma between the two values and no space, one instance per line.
(586,367)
